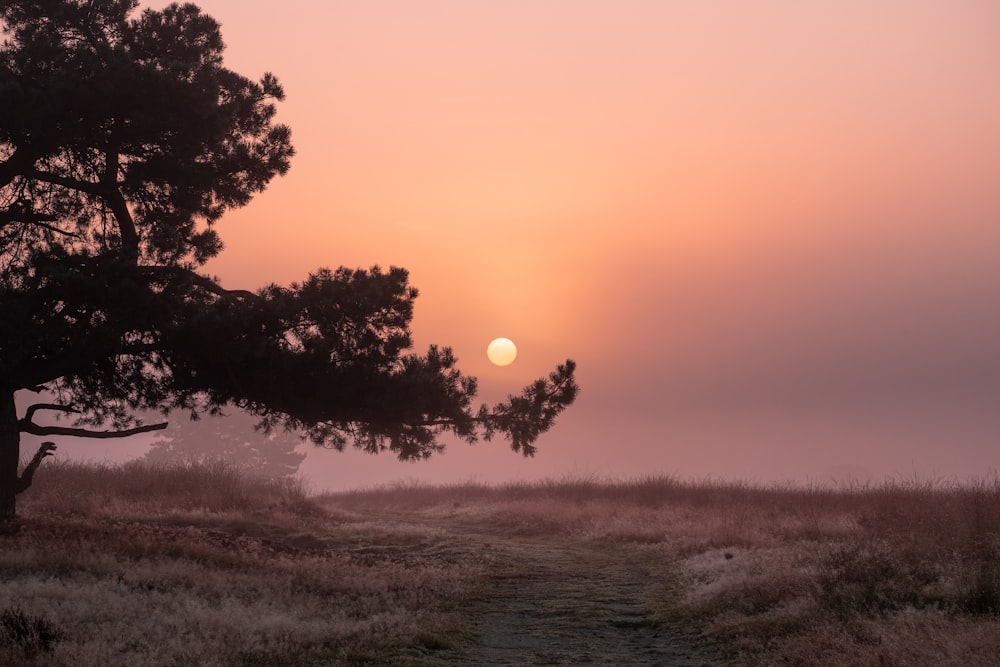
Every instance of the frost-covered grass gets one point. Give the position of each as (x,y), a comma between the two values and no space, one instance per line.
(154,565)
(900,573)
(157,565)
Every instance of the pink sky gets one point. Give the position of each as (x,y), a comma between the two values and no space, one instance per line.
(767,232)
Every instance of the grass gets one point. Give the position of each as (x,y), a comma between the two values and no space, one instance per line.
(901,573)
(154,565)
(897,574)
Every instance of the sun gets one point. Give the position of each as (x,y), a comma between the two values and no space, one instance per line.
(501,351)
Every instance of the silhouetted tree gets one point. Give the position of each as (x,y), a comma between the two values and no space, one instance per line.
(122,140)
(232,439)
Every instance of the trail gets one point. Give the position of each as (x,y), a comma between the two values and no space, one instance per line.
(555,601)
(574,607)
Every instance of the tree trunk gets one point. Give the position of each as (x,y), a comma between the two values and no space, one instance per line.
(10,452)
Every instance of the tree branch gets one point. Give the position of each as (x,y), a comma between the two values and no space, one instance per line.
(107,191)
(113,194)
(204,282)
(71,183)
(53,228)
(26,425)
(126,225)
(31,218)
(24,481)
(32,409)
(36,429)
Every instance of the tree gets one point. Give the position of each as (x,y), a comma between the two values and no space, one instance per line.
(123,138)
(232,439)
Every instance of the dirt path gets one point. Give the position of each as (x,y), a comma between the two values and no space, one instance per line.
(573,608)
(554,601)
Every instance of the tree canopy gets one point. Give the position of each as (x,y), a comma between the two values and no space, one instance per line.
(123,139)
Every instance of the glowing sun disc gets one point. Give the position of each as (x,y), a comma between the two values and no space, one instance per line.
(501,351)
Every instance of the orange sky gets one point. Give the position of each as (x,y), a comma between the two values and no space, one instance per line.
(767,231)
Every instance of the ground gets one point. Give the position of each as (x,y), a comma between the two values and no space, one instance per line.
(203,565)
(552,601)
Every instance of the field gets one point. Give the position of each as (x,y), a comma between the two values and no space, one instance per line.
(154,565)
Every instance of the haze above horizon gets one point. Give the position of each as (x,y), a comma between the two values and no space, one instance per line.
(767,232)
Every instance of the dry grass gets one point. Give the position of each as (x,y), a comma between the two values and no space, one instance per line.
(153,565)
(899,574)
(902,573)
(136,488)
(202,565)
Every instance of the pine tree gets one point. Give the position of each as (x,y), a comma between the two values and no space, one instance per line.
(123,139)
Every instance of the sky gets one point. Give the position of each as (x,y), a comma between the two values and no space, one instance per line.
(768,232)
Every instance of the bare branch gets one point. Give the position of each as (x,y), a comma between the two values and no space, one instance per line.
(24,481)
(36,429)
(26,425)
